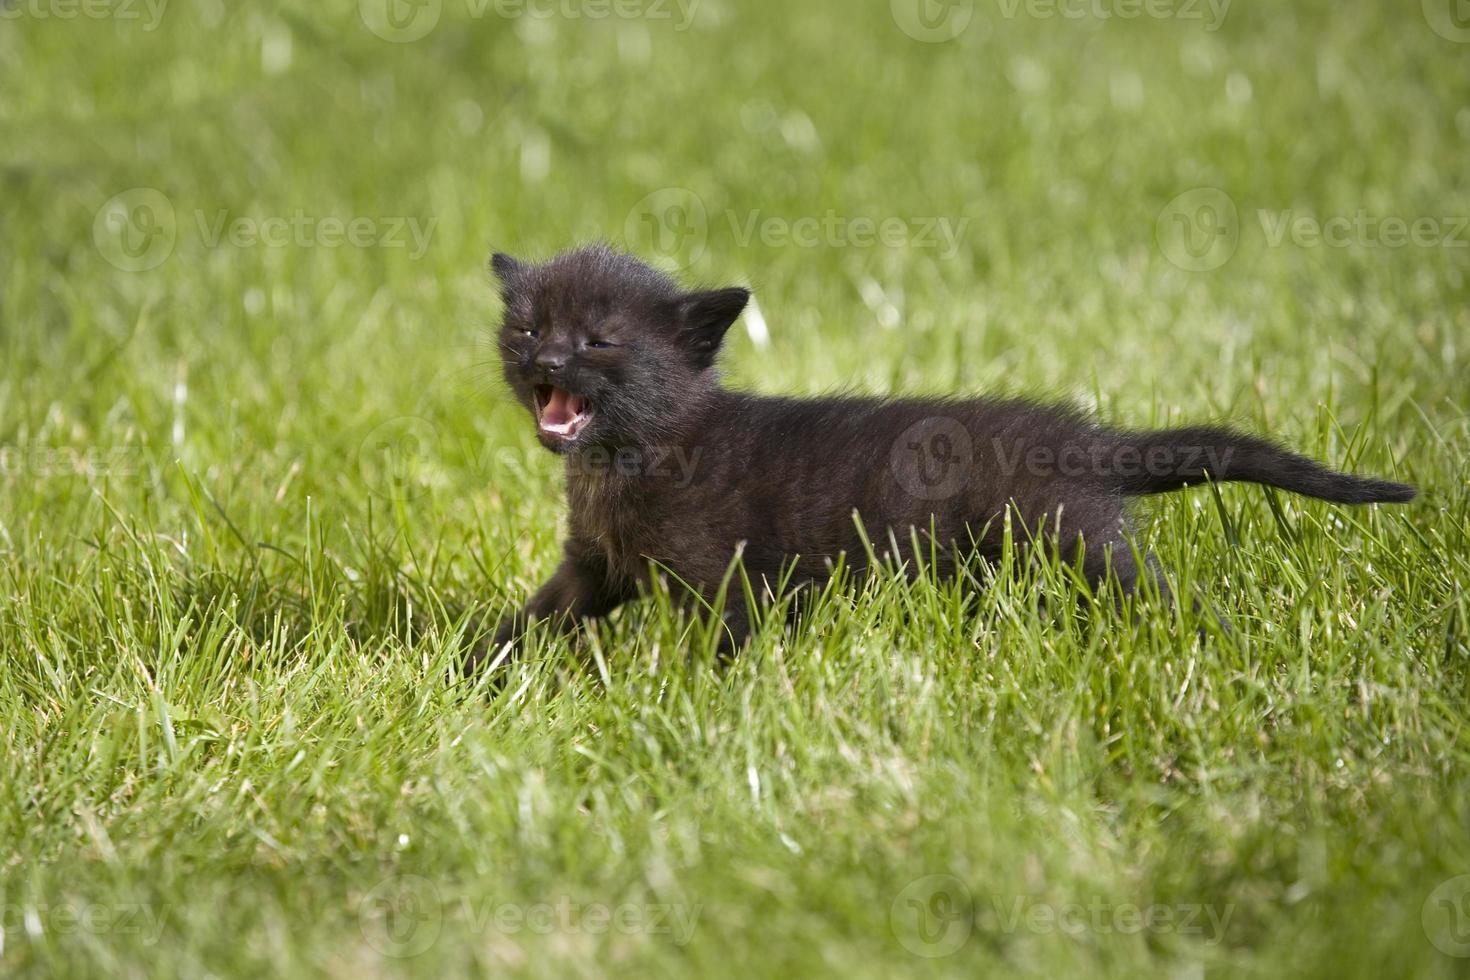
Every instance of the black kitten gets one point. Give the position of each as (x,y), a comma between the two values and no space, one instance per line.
(665,467)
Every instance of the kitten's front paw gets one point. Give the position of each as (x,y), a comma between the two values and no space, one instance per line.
(500,648)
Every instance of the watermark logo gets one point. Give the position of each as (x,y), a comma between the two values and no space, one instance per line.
(395,458)
(401,916)
(150,12)
(61,920)
(1099,917)
(404,916)
(674,466)
(403,21)
(1446,917)
(1362,230)
(933,916)
(680,12)
(1211,13)
(833,230)
(932,21)
(302,229)
(932,458)
(1450,19)
(1111,459)
(139,229)
(675,922)
(52,462)
(674,224)
(400,21)
(938,21)
(671,223)
(1199,230)
(936,915)
(136,230)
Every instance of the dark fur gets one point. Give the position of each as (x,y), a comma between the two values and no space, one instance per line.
(675,470)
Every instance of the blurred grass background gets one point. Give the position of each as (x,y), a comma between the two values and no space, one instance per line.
(249,490)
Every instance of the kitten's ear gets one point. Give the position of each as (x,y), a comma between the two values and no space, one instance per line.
(704,318)
(505,267)
(509,271)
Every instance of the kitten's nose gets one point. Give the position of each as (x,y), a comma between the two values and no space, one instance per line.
(550,362)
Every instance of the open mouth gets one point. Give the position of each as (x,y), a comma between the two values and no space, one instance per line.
(561,415)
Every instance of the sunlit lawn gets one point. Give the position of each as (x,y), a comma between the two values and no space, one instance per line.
(258,472)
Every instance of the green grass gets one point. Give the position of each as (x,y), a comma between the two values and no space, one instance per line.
(250,494)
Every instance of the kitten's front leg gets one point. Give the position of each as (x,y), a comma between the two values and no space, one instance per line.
(581,588)
(734,627)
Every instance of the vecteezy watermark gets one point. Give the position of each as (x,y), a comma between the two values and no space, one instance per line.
(935,458)
(1363,230)
(138,230)
(833,230)
(1446,917)
(402,21)
(1201,229)
(404,458)
(1110,459)
(1450,19)
(932,21)
(62,919)
(55,462)
(934,917)
(937,21)
(403,916)
(1098,916)
(397,457)
(671,223)
(675,224)
(304,230)
(149,12)
(1210,13)
(674,466)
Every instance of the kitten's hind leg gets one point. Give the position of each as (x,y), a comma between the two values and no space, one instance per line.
(1109,555)
(1147,577)
(1096,528)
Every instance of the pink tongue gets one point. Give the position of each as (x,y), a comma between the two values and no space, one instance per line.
(561,408)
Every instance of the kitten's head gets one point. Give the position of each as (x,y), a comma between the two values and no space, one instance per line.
(604,351)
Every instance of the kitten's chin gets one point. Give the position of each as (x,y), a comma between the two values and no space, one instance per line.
(561,417)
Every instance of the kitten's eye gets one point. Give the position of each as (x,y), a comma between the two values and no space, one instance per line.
(600,344)
(526,332)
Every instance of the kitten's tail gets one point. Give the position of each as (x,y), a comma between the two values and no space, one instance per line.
(1173,459)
